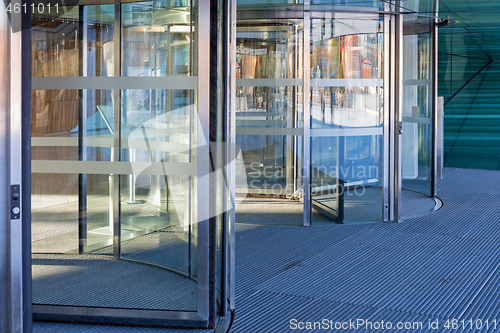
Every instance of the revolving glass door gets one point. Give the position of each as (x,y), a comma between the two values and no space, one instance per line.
(121,167)
(346,106)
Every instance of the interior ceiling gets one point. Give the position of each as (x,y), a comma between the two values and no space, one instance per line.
(476,32)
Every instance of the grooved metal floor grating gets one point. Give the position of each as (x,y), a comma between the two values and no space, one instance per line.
(81,280)
(445,265)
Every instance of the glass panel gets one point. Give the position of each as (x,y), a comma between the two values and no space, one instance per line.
(97,196)
(159,128)
(346,95)
(268,118)
(159,205)
(54,215)
(471,136)
(352,3)
(417,110)
(56,42)
(157,38)
(73,213)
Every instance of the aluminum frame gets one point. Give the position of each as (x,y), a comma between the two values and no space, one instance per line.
(82,134)
(16,171)
(232,157)
(398,112)
(435,101)
(15,234)
(307,116)
(387,119)
(115,179)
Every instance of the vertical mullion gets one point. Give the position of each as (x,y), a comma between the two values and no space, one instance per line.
(222,152)
(201,124)
(232,150)
(82,132)
(398,51)
(434,113)
(116,155)
(386,115)
(307,118)
(12,41)
(392,119)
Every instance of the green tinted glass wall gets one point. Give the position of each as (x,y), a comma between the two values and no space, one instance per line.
(469,82)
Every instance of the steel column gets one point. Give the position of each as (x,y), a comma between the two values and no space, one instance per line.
(15,107)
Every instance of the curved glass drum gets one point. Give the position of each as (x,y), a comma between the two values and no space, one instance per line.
(346,107)
(334,112)
(120,162)
(310,101)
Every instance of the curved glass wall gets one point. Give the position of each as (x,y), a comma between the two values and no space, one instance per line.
(121,164)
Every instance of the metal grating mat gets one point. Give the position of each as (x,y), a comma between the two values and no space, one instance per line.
(79,280)
(443,265)
(41,327)
(439,266)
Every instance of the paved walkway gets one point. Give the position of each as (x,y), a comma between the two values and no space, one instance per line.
(445,265)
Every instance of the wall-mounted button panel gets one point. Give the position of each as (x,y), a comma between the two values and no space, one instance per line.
(15,202)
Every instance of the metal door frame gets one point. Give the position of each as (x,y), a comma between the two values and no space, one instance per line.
(15,120)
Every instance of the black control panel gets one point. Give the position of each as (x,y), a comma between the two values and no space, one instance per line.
(15,202)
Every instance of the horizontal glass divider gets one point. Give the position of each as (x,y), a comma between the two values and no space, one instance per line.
(269,82)
(114,168)
(417,82)
(251,122)
(170,147)
(268,131)
(416,120)
(55,142)
(321,188)
(360,131)
(256,114)
(317,83)
(115,82)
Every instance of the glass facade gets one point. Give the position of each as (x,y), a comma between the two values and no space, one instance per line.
(468,76)
(158,125)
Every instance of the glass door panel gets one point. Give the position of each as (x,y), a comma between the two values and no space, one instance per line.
(346,117)
(417,110)
(269,118)
(159,137)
